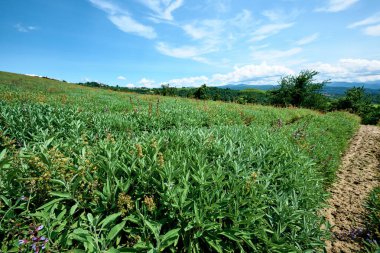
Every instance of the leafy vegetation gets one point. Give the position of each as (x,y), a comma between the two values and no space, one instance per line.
(373,221)
(299,90)
(103,171)
(357,101)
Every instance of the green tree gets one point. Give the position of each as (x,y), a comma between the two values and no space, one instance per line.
(166,90)
(301,91)
(357,101)
(201,92)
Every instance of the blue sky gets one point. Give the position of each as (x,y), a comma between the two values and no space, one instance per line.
(190,42)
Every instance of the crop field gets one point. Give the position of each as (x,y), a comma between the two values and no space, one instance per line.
(92,170)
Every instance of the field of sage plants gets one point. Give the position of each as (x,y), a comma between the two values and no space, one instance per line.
(91,170)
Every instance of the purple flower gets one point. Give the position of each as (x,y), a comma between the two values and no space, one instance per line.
(42,238)
(23,241)
(40,227)
(34,239)
(35,248)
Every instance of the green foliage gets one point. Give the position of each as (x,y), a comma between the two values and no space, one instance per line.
(166,90)
(300,91)
(107,171)
(373,220)
(201,92)
(357,101)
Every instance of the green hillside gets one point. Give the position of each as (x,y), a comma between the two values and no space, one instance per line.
(108,171)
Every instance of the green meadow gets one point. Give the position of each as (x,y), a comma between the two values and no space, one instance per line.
(92,170)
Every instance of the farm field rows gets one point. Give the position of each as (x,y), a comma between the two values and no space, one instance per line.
(103,171)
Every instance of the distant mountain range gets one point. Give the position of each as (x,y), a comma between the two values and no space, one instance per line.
(333,88)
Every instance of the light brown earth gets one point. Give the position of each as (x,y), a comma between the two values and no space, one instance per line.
(357,176)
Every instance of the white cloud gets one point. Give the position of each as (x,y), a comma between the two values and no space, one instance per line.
(374,19)
(361,65)
(248,74)
(148,83)
(123,20)
(372,30)
(273,15)
(207,34)
(183,52)
(210,35)
(349,70)
(280,15)
(346,70)
(371,25)
(121,78)
(189,81)
(273,55)
(222,6)
(218,32)
(25,29)
(129,25)
(307,40)
(106,6)
(252,74)
(163,8)
(195,32)
(337,5)
(265,31)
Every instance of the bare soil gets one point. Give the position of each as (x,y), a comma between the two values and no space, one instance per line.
(357,176)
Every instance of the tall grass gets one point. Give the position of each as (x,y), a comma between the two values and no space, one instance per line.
(114,172)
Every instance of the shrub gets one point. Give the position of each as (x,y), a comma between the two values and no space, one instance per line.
(300,91)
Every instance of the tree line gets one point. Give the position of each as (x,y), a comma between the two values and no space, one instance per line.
(300,90)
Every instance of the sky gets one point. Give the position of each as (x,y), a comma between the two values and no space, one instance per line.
(146,43)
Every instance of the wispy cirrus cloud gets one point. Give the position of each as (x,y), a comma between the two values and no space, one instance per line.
(184,52)
(275,55)
(374,19)
(123,20)
(372,30)
(217,31)
(370,25)
(24,28)
(336,5)
(162,9)
(268,30)
(307,40)
(280,15)
(209,36)
(273,15)
(129,25)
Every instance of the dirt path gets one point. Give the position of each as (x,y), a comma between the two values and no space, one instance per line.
(357,176)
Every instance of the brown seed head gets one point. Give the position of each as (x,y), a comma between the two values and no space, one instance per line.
(149,202)
(139,151)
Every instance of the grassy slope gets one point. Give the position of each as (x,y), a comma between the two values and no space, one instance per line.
(177,173)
